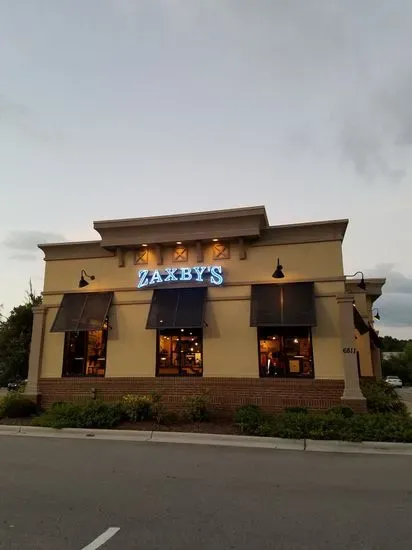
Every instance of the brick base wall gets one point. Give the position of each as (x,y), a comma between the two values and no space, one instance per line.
(225,394)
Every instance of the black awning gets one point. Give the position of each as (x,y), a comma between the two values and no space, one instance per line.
(298,305)
(374,337)
(287,305)
(177,308)
(265,306)
(359,323)
(82,311)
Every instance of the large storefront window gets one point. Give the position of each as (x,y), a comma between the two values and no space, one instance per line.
(85,353)
(285,352)
(179,352)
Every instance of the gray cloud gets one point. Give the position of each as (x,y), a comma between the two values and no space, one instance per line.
(396,282)
(11,111)
(377,129)
(23,257)
(396,310)
(395,304)
(28,240)
(20,118)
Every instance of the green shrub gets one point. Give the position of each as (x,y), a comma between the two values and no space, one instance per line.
(159,411)
(381,397)
(137,407)
(91,414)
(301,410)
(15,405)
(60,415)
(290,425)
(249,419)
(96,414)
(347,412)
(336,425)
(195,408)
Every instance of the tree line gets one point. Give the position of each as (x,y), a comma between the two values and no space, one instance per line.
(15,338)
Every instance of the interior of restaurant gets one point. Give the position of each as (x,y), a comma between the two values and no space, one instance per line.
(85,353)
(285,352)
(180,352)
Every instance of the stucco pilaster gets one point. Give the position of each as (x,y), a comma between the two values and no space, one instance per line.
(36,349)
(352,391)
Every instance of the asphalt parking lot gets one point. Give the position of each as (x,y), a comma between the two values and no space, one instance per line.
(64,494)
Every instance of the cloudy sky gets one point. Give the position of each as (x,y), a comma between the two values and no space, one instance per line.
(126,108)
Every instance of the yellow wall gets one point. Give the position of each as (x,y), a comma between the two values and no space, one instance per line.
(301,261)
(53,344)
(230,345)
(326,342)
(131,348)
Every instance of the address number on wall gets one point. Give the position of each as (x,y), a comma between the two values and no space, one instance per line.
(349,350)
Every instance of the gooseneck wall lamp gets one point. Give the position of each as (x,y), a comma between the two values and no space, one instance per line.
(278,273)
(83,282)
(376,315)
(362,283)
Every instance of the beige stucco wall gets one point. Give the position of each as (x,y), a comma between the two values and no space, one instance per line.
(308,261)
(230,344)
(131,348)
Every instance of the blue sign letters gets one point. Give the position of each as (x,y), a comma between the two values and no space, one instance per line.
(211,274)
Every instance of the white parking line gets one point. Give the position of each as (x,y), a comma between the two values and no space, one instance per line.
(104,537)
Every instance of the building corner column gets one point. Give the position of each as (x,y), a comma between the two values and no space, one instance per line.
(36,351)
(352,393)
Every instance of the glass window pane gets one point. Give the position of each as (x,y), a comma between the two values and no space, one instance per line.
(180,352)
(285,352)
(85,353)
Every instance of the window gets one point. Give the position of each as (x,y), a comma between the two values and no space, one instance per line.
(285,352)
(85,353)
(179,352)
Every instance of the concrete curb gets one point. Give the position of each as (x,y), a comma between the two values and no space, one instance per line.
(229,440)
(220,440)
(364,447)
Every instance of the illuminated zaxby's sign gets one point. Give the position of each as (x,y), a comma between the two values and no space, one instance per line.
(210,274)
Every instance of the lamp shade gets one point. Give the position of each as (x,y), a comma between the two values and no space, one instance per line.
(82,282)
(278,273)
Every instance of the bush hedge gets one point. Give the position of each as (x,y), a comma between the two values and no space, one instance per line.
(195,409)
(137,407)
(90,414)
(15,405)
(337,423)
(381,397)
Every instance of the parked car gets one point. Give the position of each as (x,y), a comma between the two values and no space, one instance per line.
(16,385)
(394,381)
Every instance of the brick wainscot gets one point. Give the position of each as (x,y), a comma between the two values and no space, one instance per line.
(225,394)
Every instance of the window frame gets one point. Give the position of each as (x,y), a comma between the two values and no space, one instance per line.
(178,332)
(280,332)
(67,336)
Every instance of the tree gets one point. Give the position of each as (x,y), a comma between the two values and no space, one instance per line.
(15,338)
(388,343)
(400,365)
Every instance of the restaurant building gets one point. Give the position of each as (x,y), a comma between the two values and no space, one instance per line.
(213,302)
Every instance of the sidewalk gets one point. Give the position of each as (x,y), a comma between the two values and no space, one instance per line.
(271,443)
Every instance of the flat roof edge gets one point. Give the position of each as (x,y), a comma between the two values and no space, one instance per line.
(258,210)
(42,246)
